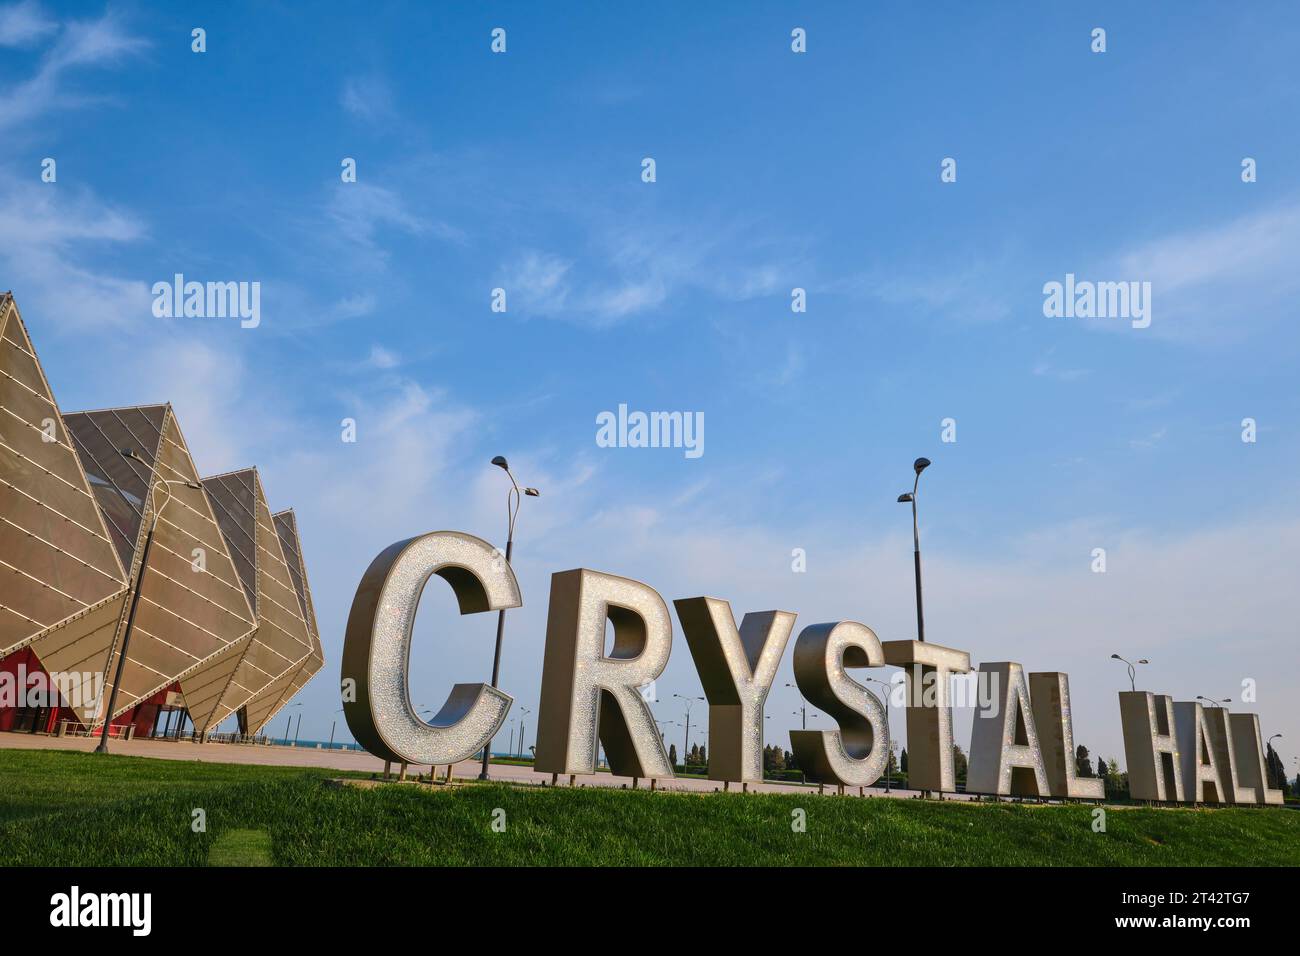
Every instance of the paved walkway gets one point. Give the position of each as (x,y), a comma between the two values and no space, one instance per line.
(357,760)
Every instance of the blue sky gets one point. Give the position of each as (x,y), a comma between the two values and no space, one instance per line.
(775,170)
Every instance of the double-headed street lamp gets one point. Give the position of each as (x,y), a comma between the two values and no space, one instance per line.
(918,466)
(1214,703)
(514,497)
(1132,669)
(802,711)
(135,595)
(689,701)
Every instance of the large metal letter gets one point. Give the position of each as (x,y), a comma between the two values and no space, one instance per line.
(1248,742)
(855,754)
(377,650)
(1005,757)
(585,693)
(1225,755)
(929,670)
(737,668)
(1050,692)
(1150,746)
(1198,765)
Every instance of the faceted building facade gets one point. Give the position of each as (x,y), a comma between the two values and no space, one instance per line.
(223,622)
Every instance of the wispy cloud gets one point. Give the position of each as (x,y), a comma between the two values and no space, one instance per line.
(59,227)
(367,98)
(1217,283)
(80,44)
(624,271)
(1046,368)
(24,24)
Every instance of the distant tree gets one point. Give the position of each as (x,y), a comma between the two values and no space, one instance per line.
(902,760)
(1101,767)
(773,759)
(1082,761)
(1276,771)
(672,755)
(1114,783)
(891,764)
(790,762)
(694,756)
(960,765)
(704,756)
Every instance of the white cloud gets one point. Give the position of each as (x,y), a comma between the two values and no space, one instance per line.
(629,271)
(24,24)
(538,282)
(1216,284)
(59,226)
(382,358)
(81,45)
(367,98)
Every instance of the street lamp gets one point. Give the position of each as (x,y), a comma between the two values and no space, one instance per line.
(514,497)
(803,710)
(687,744)
(889,743)
(1132,669)
(333,726)
(135,595)
(1214,703)
(523,712)
(918,466)
(288,722)
(802,714)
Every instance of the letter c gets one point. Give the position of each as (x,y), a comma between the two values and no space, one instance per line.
(377,649)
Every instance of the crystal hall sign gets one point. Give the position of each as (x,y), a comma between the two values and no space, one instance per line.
(1022,744)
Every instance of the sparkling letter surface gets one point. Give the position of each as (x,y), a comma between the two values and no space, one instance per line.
(855,754)
(1005,757)
(1248,743)
(1150,746)
(929,709)
(1220,732)
(1050,692)
(1196,759)
(585,693)
(377,649)
(736,668)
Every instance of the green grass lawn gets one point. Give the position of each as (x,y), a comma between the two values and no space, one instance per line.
(61,808)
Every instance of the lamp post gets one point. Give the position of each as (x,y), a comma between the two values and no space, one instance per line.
(889,743)
(918,466)
(802,711)
(1214,703)
(802,714)
(1132,669)
(514,497)
(288,722)
(523,712)
(135,595)
(333,726)
(687,744)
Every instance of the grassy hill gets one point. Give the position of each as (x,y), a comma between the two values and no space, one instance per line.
(60,808)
